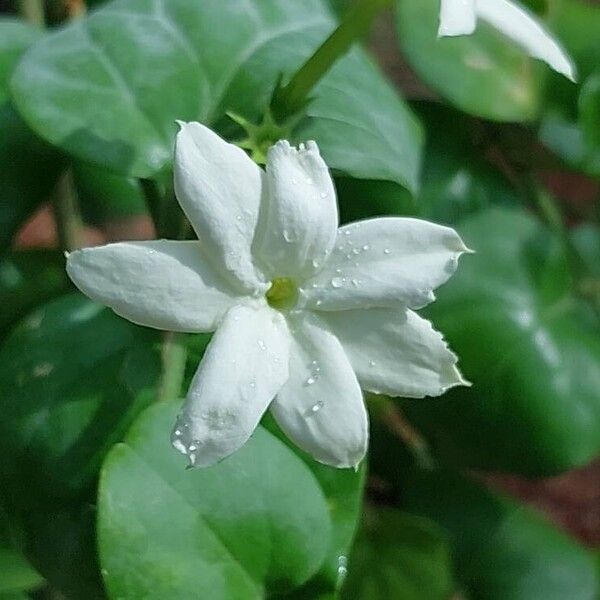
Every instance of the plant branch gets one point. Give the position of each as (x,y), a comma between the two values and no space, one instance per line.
(66,213)
(355,24)
(174,356)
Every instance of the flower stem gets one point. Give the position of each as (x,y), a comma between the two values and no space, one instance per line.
(293,96)
(174,356)
(33,12)
(66,213)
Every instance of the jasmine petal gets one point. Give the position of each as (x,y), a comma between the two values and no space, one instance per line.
(458,17)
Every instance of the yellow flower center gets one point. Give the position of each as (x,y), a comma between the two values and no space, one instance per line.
(283,293)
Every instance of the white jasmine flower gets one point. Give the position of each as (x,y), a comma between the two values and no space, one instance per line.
(305,313)
(459,17)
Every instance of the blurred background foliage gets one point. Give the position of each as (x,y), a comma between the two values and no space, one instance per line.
(465,131)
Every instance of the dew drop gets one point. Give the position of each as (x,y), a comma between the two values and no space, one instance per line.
(310,380)
(319,302)
(309,181)
(347,232)
(287,236)
(262,345)
(366,247)
(337,282)
(192,448)
(238,218)
(372,363)
(355,251)
(323,195)
(355,282)
(178,432)
(315,263)
(386,251)
(315,408)
(295,181)
(252,384)
(338,271)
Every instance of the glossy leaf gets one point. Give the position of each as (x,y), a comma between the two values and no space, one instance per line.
(484,74)
(530,347)
(399,555)
(29,278)
(72,377)
(255,523)
(149,63)
(501,550)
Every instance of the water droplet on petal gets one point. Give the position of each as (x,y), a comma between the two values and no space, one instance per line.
(317,407)
(287,236)
(323,195)
(177,432)
(386,251)
(366,247)
(337,282)
(355,282)
(355,251)
(338,271)
(252,384)
(347,232)
(310,380)
(238,218)
(262,345)
(309,181)
(372,363)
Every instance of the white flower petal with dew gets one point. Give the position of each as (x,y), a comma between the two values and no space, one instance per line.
(219,188)
(321,408)
(390,261)
(395,352)
(459,17)
(305,313)
(161,284)
(300,217)
(244,366)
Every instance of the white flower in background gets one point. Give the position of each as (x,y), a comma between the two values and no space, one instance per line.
(305,313)
(459,17)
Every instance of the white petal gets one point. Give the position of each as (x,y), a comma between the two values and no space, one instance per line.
(298,228)
(457,17)
(395,352)
(321,407)
(519,25)
(219,189)
(162,284)
(244,366)
(390,261)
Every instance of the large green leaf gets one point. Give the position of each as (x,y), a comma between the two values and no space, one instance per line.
(72,377)
(530,347)
(109,88)
(402,556)
(484,74)
(501,550)
(29,278)
(257,522)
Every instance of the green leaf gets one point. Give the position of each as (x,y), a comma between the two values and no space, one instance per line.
(149,63)
(257,522)
(105,196)
(29,278)
(398,555)
(16,574)
(502,550)
(72,377)
(484,74)
(15,37)
(530,347)
(29,167)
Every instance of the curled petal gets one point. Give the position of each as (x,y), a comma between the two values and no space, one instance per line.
(299,222)
(321,407)
(162,284)
(385,262)
(244,366)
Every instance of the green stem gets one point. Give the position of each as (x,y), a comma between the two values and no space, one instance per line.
(174,356)
(355,24)
(66,212)
(33,12)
